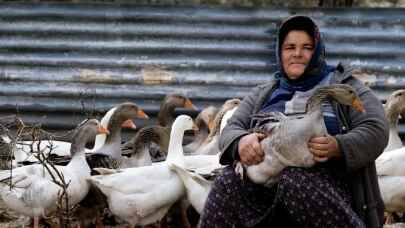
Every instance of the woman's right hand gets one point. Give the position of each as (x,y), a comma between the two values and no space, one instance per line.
(249,149)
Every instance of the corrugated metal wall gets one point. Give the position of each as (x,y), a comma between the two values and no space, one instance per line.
(61,61)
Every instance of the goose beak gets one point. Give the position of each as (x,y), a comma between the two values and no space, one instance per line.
(103,130)
(189,104)
(128,124)
(358,105)
(142,114)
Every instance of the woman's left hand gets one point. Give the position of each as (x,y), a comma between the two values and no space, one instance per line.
(323,148)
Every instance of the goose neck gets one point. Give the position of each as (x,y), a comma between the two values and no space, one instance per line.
(392,117)
(175,150)
(165,114)
(315,101)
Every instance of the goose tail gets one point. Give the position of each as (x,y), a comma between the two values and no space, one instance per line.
(97,181)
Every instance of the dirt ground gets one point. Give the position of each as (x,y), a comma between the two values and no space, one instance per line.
(10,219)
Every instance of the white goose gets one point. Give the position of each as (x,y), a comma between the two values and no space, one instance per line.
(143,195)
(23,153)
(394,109)
(197,187)
(390,164)
(34,193)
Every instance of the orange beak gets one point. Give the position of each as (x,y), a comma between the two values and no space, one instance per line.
(128,124)
(358,105)
(103,130)
(189,104)
(142,114)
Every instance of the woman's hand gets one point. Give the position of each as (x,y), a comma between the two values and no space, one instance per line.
(323,148)
(249,149)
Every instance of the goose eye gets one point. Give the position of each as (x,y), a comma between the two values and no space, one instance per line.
(399,94)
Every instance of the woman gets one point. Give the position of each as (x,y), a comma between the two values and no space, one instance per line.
(341,190)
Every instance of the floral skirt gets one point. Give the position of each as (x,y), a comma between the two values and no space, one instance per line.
(304,197)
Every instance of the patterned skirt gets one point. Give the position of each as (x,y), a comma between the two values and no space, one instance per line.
(304,197)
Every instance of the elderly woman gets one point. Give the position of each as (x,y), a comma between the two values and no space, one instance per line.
(341,190)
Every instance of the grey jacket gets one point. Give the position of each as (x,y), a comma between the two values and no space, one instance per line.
(365,140)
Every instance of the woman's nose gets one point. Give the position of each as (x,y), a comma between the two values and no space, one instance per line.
(297,52)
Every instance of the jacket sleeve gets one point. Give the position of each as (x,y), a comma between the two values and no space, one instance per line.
(237,127)
(368,134)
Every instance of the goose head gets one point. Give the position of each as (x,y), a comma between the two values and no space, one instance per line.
(395,106)
(342,93)
(123,115)
(86,131)
(205,119)
(169,104)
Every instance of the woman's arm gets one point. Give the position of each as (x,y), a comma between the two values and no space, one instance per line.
(237,127)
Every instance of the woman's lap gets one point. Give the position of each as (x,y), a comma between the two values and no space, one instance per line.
(310,197)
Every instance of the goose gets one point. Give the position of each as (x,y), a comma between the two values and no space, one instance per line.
(394,109)
(389,165)
(205,124)
(109,155)
(31,190)
(23,151)
(200,166)
(286,141)
(143,195)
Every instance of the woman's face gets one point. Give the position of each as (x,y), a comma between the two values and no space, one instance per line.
(296,52)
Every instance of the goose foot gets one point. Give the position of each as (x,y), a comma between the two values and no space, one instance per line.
(35,223)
